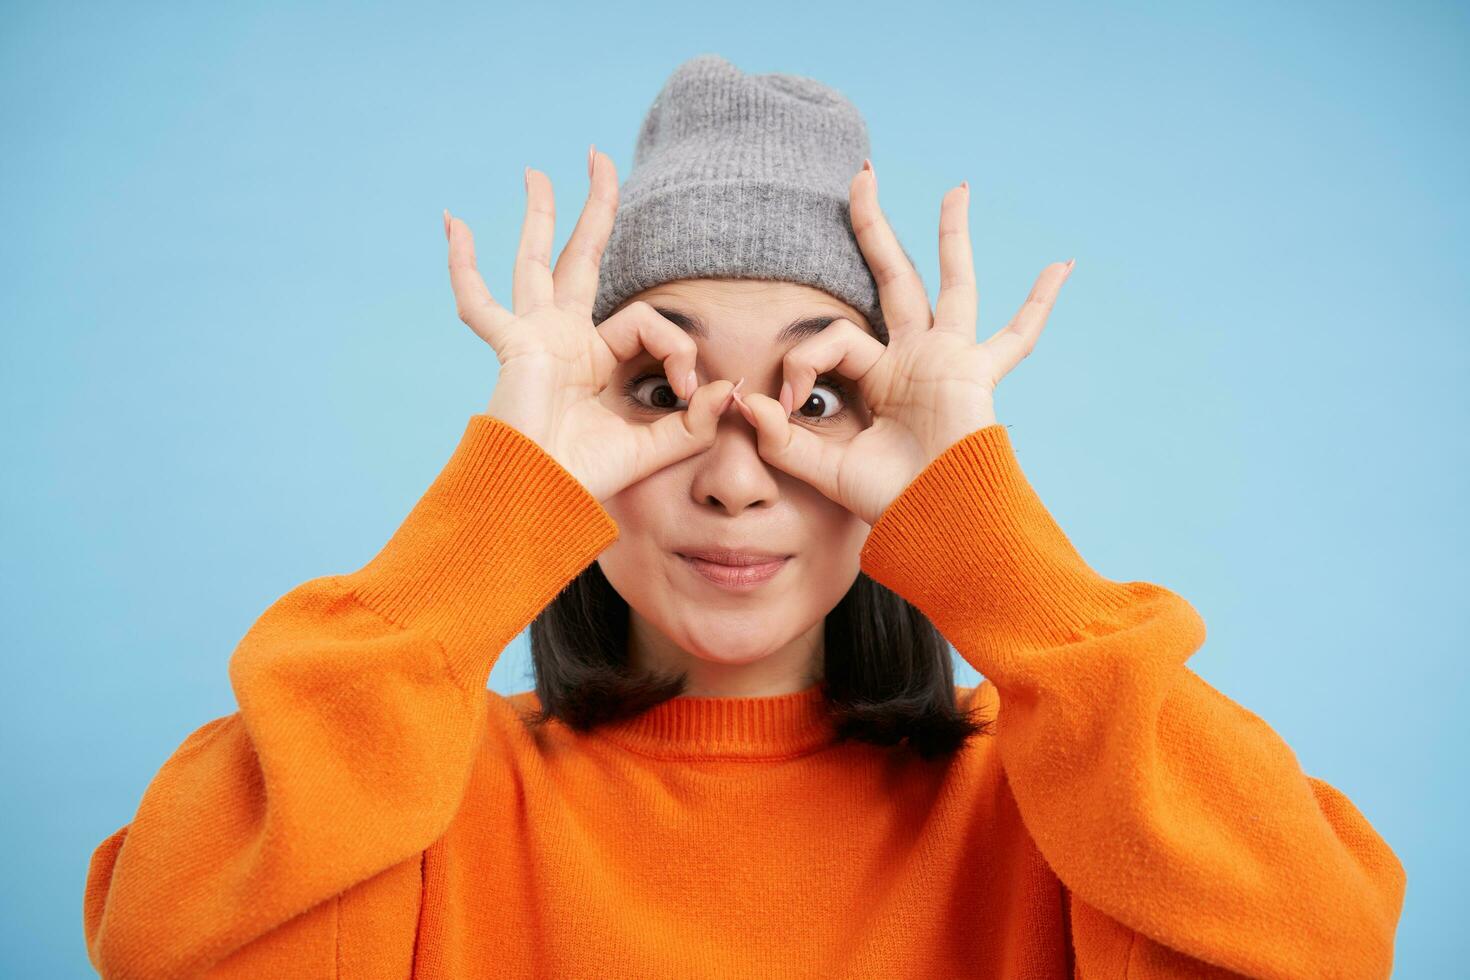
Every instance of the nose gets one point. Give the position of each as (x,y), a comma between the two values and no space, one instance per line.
(730,475)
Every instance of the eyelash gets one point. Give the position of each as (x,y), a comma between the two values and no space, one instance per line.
(831,381)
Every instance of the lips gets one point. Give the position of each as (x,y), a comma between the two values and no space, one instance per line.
(737,570)
(729,557)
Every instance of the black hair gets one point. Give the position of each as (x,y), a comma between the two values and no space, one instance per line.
(887,676)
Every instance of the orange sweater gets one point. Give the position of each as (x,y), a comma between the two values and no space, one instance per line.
(371,810)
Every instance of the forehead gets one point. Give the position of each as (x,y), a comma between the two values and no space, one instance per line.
(717,311)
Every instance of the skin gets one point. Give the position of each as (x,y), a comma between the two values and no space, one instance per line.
(733,644)
(768,477)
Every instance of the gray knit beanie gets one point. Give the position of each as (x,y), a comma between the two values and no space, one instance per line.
(741,176)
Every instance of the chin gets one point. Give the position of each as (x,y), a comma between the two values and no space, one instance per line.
(730,649)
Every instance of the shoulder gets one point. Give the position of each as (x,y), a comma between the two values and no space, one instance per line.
(511,709)
(983,695)
(508,722)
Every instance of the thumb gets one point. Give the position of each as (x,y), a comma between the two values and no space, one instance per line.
(791,448)
(681,434)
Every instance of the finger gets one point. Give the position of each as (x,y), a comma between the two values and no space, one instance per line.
(681,434)
(532,286)
(639,327)
(472,299)
(577,269)
(804,454)
(901,293)
(841,346)
(957,309)
(1015,340)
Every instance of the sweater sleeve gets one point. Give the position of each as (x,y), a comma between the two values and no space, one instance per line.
(361,699)
(1161,804)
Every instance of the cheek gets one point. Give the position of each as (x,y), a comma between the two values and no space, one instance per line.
(642,513)
(836,533)
(833,538)
(645,511)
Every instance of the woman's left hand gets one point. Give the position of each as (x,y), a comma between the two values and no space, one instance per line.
(928,387)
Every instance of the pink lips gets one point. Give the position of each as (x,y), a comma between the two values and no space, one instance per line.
(735,570)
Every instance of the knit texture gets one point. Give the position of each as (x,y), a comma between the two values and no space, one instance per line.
(741,176)
(372,811)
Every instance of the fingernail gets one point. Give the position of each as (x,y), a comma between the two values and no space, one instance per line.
(786,395)
(1070,263)
(690,384)
(730,397)
(528,180)
(745,410)
(966,185)
(446,224)
(591,159)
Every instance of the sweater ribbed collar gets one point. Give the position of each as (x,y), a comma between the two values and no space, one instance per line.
(766,727)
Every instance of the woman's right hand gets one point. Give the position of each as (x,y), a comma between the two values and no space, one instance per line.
(554,363)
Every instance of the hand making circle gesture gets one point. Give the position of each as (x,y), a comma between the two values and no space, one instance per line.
(554,361)
(928,387)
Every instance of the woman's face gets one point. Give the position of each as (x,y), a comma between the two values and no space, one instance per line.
(764,638)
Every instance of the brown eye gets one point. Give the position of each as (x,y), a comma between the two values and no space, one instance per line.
(653,391)
(826,404)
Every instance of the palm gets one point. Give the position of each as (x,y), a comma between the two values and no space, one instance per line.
(554,362)
(924,398)
(928,387)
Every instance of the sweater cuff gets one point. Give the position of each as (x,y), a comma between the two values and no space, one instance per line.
(970,544)
(499,533)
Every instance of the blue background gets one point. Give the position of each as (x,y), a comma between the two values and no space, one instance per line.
(231,360)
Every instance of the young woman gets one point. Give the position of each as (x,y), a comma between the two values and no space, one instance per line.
(743,497)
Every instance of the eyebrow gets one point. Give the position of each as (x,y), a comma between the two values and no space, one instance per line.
(795,330)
